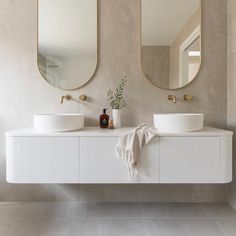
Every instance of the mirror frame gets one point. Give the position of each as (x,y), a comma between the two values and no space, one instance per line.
(201,46)
(37,41)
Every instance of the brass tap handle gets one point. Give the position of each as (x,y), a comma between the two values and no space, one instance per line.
(188,97)
(65,97)
(83,97)
(172,98)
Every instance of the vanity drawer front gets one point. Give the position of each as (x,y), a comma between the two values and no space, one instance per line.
(99,163)
(190,160)
(43,159)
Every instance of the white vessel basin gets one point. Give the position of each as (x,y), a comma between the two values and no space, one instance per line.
(58,122)
(178,122)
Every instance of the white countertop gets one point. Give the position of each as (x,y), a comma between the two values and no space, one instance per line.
(96,132)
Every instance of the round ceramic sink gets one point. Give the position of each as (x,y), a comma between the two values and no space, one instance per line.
(178,122)
(58,122)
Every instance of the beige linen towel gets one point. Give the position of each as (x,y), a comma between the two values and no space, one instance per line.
(129,147)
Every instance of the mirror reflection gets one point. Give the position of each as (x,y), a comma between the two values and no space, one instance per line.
(67,41)
(171,41)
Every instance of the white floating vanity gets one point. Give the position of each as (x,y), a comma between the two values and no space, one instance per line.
(88,156)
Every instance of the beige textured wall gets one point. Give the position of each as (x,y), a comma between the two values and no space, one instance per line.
(23,92)
(174,48)
(232,89)
(155,64)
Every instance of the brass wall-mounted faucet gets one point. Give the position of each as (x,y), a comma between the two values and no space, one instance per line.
(69,98)
(66,97)
(172,98)
(188,97)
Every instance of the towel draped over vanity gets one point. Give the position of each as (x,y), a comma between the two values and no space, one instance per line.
(129,148)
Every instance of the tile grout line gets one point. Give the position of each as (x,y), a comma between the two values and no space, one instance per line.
(214,219)
(7,228)
(220,227)
(145,226)
(207,210)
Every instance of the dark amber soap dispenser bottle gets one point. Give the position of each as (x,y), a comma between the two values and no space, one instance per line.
(104,120)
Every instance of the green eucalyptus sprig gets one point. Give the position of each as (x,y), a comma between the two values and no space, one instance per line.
(117,100)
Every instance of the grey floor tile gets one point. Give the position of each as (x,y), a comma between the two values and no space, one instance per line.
(124,227)
(38,227)
(35,210)
(53,227)
(228,226)
(73,227)
(74,218)
(182,227)
(220,210)
(71,209)
(105,210)
(172,210)
(8,203)
(4,224)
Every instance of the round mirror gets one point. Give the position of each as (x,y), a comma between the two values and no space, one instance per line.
(67,42)
(171,41)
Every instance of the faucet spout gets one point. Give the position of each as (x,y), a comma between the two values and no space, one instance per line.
(65,97)
(172,98)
